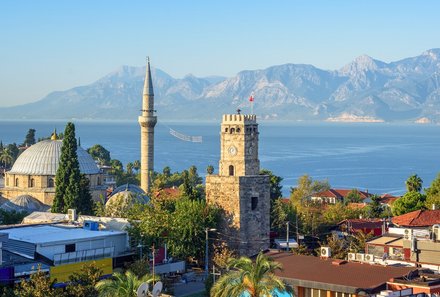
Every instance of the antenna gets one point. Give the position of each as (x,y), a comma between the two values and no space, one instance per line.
(157,289)
(142,290)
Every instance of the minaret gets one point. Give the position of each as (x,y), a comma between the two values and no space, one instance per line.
(147,121)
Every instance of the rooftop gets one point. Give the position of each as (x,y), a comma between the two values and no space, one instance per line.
(340,193)
(40,234)
(337,275)
(418,218)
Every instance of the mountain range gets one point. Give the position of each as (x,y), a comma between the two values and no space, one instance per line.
(363,90)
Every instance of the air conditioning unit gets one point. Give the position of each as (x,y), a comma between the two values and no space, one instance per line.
(360,257)
(90,225)
(369,258)
(436,232)
(325,252)
(351,256)
(71,214)
(407,234)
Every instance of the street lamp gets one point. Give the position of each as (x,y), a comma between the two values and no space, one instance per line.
(206,249)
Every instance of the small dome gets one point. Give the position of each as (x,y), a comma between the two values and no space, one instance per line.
(128,187)
(120,202)
(43,158)
(25,203)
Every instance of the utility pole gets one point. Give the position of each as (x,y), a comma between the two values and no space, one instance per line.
(297,231)
(153,251)
(207,251)
(287,235)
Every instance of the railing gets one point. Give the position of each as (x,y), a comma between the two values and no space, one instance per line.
(83,255)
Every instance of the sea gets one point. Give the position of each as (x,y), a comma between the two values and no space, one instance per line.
(377,157)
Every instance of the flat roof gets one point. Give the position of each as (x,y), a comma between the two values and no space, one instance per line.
(385,240)
(337,275)
(42,234)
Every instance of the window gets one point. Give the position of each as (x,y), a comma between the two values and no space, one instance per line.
(50,183)
(238,130)
(254,203)
(70,248)
(226,130)
(231,170)
(32,183)
(99,181)
(232,130)
(16,182)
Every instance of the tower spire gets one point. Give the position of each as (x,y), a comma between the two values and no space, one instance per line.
(147,121)
(148,83)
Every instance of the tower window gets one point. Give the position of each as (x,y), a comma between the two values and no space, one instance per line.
(50,183)
(226,130)
(231,170)
(32,183)
(99,181)
(254,203)
(232,130)
(16,182)
(238,130)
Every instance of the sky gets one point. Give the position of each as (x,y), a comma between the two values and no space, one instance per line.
(53,45)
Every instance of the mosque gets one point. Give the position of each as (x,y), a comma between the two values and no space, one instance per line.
(31,180)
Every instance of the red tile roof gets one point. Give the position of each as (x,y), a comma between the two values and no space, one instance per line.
(340,193)
(418,218)
(323,271)
(388,199)
(363,223)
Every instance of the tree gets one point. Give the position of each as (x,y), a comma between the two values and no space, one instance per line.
(85,202)
(374,209)
(82,283)
(188,224)
(68,177)
(433,194)
(255,278)
(100,154)
(210,169)
(354,196)
(337,246)
(11,217)
(281,213)
(30,138)
(39,285)
(306,187)
(122,285)
(411,201)
(129,167)
(137,165)
(6,157)
(358,240)
(414,183)
(275,184)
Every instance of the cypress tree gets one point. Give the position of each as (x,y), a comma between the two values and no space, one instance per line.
(85,205)
(68,175)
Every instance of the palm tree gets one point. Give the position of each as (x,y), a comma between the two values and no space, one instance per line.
(414,183)
(257,279)
(6,157)
(137,165)
(122,285)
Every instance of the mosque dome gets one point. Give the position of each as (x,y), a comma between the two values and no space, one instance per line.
(25,203)
(43,158)
(123,198)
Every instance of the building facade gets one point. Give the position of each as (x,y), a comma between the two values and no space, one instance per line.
(147,121)
(239,190)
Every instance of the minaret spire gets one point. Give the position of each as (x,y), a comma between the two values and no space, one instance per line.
(147,121)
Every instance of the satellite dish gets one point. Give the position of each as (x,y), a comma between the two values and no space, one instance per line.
(142,290)
(157,289)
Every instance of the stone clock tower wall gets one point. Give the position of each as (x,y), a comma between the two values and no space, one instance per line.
(238,189)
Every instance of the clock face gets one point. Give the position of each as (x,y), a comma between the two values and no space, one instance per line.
(232,150)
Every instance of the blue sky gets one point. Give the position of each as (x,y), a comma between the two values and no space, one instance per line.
(50,45)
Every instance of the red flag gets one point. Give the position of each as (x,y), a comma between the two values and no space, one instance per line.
(251,98)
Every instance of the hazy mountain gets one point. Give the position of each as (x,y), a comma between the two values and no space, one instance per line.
(364,89)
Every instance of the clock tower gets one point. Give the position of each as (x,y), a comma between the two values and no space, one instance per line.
(239,190)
